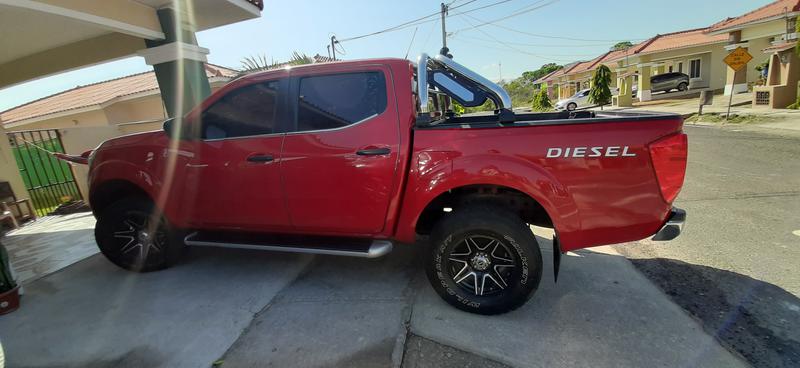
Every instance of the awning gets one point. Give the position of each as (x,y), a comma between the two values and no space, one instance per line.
(780,47)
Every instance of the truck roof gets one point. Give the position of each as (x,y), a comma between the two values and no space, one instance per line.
(322,66)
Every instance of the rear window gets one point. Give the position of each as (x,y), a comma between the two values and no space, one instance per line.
(335,101)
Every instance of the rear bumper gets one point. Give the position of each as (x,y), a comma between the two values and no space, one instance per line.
(673,227)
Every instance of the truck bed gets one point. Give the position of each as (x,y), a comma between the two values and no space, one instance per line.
(610,195)
(488,120)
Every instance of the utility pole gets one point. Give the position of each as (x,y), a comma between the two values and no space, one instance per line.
(333,47)
(444,51)
(500,69)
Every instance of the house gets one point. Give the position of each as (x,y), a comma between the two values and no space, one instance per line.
(767,32)
(131,104)
(769,35)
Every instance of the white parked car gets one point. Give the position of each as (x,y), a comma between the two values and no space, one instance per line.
(580,99)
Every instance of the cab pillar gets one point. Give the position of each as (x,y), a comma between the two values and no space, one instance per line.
(179,63)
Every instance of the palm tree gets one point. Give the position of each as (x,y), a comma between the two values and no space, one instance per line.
(257,63)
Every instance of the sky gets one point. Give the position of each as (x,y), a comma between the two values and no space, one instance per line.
(538,32)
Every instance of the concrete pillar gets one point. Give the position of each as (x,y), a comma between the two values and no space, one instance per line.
(644,82)
(735,82)
(179,64)
(624,98)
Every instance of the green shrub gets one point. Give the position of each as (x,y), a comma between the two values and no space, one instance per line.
(541,101)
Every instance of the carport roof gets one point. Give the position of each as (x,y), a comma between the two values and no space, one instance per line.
(96,94)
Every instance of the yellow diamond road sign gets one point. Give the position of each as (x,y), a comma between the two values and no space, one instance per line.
(737,59)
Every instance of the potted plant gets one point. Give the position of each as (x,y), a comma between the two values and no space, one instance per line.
(9,290)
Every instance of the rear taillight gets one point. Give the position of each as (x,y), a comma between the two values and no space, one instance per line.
(669,161)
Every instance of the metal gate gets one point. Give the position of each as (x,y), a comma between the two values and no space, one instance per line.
(50,181)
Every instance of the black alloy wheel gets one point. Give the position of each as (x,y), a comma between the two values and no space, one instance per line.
(132,235)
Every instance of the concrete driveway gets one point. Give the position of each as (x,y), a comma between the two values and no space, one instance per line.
(247,308)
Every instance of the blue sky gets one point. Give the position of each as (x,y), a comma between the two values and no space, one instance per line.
(587,28)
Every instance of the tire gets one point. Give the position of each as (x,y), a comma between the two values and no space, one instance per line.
(572,106)
(126,237)
(458,267)
(682,86)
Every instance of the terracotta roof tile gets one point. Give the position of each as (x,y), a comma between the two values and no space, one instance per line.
(566,69)
(767,11)
(547,77)
(95,94)
(682,39)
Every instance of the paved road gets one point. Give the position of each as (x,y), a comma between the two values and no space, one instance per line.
(737,266)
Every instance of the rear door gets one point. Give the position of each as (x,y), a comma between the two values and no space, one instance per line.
(340,159)
(234,174)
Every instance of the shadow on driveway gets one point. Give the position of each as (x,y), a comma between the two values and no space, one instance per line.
(762,323)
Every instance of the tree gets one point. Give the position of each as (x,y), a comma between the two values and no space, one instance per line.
(541,101)
(530,76)
(600,93)
(622,45)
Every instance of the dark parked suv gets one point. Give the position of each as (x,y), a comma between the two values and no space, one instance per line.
(669,81)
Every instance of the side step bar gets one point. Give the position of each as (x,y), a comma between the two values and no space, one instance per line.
(376,249)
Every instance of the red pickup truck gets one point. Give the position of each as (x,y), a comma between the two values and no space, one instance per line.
(351,158)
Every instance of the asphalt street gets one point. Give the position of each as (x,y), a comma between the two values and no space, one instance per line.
(735,267)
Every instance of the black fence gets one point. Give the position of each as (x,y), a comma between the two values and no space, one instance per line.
(50,181)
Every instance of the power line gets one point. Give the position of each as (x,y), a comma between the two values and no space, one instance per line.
(421,20)
(506,44)
(524,10)
(559,37)
(479,8)
(412,40)
(462,36)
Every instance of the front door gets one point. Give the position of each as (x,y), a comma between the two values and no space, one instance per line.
(340,162)
(234,173)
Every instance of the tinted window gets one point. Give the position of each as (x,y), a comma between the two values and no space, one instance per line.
(333,101)
(249,110)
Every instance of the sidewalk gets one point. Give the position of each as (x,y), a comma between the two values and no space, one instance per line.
(771,118)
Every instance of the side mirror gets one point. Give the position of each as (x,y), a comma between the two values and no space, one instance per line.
(467,94)
(177,129)
(168,127)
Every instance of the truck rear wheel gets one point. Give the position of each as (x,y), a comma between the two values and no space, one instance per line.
(484,260)
(132,235)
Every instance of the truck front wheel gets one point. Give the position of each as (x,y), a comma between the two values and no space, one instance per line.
(484,260)
(134,236)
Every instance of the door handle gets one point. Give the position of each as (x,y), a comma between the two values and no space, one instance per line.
(374,151)
(260,158)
